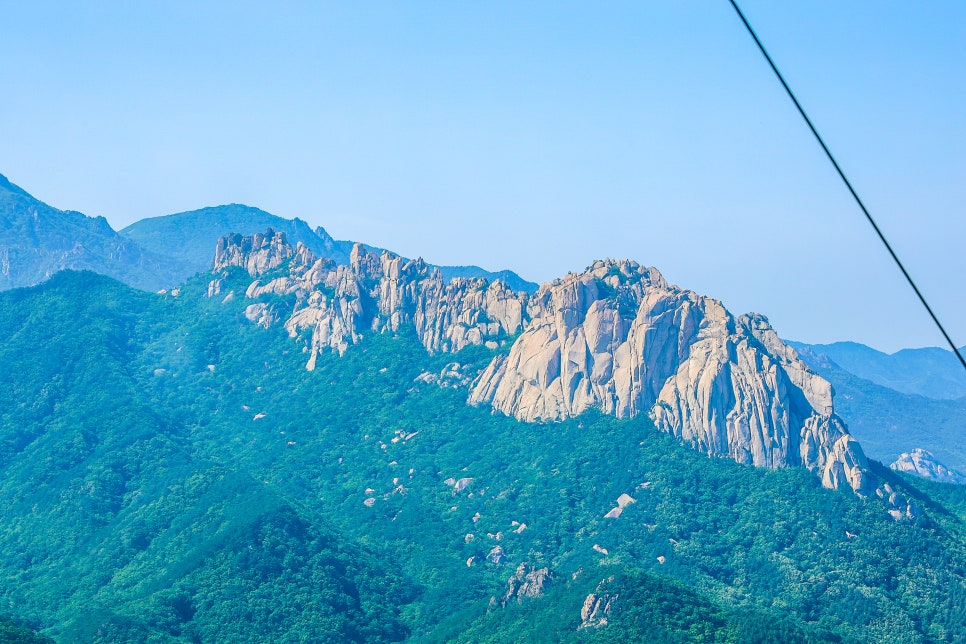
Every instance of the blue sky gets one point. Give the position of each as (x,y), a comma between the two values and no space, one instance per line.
(533,136)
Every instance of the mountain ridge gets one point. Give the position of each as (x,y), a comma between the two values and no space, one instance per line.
(40,240)
(780,413)
(153,253)
(933,372)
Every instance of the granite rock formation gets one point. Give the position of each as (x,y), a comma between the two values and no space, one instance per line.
(336,303)
(620,338)
(922,463)
(616,337)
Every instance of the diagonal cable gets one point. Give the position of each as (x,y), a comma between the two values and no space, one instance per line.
(848,184)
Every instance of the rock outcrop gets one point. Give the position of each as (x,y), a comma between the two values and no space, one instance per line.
(336,304)
(257,254)
(616,337)
(922,463)
(619,338)
(597,606)
(527,581)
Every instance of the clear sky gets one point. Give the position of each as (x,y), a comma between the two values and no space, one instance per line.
(535,136)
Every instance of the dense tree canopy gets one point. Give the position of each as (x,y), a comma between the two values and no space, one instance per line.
(171,473)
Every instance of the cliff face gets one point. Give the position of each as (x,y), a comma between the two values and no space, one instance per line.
(619,338)
(616,337)
(338,303)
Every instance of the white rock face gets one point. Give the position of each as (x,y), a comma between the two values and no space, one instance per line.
(922,463)
(256,254)
(336,304)
(619,338)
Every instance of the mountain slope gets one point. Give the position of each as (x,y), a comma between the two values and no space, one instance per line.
(172,473)
(190,237)
(616,337)
(889,423)
(931,372)
(108,508)
(37,240)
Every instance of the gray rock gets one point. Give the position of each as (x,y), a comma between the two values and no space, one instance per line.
(616,337)
(924,464)
(526,582)
(619,338)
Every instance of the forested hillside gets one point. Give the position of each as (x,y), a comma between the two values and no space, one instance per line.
(172,473)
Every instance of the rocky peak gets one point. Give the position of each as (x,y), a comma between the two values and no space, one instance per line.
(619,338)
(256,253)
(616,337)
(382,292)
(922,463)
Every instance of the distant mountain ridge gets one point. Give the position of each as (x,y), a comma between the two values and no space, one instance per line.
(191,236)
(154,253)
(39,240)
(888,422)
(932,372)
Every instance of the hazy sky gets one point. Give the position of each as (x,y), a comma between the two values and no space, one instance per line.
(528,135)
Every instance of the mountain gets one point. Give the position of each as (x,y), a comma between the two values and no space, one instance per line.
(38,240)
(189,237)
(922,463)
(931,372)
(888,422)
(616,337)
(619,337)
(172,472)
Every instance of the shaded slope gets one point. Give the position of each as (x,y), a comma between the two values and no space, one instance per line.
(931,372)
(889,423)
(37,240)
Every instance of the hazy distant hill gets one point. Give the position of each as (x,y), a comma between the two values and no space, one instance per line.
(190,237)
(37,240)
(932,372)
(888,422)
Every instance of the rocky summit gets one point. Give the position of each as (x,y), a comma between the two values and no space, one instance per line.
(620,338)
(616,337)
(922,463)
(337,303)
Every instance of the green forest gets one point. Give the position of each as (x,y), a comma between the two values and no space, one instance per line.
(172,473)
